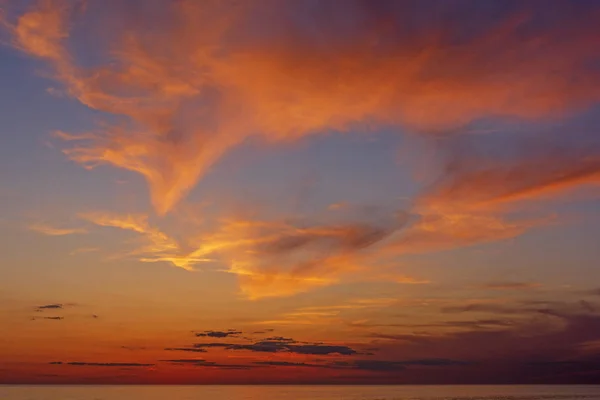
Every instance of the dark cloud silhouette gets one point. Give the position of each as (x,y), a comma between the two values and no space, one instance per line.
(369,365)
(281,344)
(288,364)
(55,306)
(207,364)
(555,343)
(319,349)
(189,349)
(133,348)
(280,339)
(99,364)
(48,318)
(219,334)
(271,346)
(209,345)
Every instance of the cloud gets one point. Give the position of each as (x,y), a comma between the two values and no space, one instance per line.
(270,258)
(337,206)
(263,331)
(188,349)
(134,348)
(281,344)
(207,364)
(484,186)
(369,365)
(392,366)
(158,246)
(549,333)
(84,250)
(174,110)
(511,285)
(446,231)
(410,280)
(219,334)
(210,345)
(528,169)
(175,77)
(484,307)
(101,364)
(49,318)
(288,364)
(53,231)
(55,306)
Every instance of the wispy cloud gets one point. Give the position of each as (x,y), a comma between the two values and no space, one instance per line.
(176,93)
(270,258)
(507,285)
(55,231)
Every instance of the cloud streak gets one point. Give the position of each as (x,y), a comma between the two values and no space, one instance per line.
(101,364)
(54,231)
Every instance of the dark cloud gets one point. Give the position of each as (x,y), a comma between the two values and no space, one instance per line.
(189,349)
(345,237)
(55,306)
(555,343)
(280,339)
(525,308)
(219,334)
(207,364)
(281,344)
(263,331)
(400,337)
(370,365)
(484,307)
(210,345)
(98,364)
(133,348)
(288,364)
(569,367)
(49,318)
(319,349)
(391,366)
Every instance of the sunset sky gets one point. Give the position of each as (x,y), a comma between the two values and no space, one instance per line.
(299,191)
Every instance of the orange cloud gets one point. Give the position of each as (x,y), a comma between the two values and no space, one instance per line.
(54,231)
(438,232)
(268,258)
(192,80)
(479,184)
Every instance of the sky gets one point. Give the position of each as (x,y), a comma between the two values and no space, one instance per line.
(299,191)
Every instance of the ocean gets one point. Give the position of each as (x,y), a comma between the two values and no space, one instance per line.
(299,392)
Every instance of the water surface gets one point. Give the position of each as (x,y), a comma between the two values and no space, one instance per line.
(299,392)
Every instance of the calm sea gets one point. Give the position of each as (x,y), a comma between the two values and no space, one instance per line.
(299,392)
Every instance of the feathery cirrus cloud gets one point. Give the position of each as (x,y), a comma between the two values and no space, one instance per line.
(187,82)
